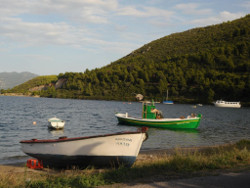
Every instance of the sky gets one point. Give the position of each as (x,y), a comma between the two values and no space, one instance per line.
(48,37)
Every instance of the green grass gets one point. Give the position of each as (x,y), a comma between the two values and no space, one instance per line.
(180,164)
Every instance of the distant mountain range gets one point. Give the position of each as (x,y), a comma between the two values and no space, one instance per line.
(10,79)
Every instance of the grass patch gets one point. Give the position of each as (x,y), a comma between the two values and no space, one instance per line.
(179,164)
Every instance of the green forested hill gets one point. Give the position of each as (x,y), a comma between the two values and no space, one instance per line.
(196,40)
(44,82)
(198,65)
(11,79)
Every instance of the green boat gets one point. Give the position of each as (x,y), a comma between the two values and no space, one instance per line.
(152,117)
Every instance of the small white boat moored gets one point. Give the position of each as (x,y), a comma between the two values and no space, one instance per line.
(56,123)
(227,104)
(103,150)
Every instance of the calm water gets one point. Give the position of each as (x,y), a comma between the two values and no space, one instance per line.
(90,117)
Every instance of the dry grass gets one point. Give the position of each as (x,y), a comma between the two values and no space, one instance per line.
(166,163)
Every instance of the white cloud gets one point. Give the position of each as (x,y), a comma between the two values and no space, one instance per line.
(221,17)
(17,25)
(36,33)
(225,15)
(143,11)
(192,9)
(77,10)
(131,11)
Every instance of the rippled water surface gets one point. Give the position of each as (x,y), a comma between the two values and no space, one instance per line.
(91,117)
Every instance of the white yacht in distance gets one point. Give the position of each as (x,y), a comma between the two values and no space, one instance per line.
(227,104)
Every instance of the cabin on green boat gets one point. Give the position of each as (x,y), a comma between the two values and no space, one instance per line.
(149,111)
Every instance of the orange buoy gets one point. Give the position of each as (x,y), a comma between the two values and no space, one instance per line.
(34,164)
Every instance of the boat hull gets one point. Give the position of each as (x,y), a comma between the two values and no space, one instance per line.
(105,150)
(169,123)
(55,123)
(64,161)
(226,104)
(168,102)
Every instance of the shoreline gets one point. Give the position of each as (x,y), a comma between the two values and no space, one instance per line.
(151,153)
(143,156)
(176,167)
(243,104)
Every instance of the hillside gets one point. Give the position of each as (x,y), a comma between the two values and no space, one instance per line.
(198,65)
(34,86)
(11,79)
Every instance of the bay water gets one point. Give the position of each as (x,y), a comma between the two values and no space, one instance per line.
(24,118)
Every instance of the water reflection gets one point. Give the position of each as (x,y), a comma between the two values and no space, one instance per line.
(164,138)
(181,130)
(56,132)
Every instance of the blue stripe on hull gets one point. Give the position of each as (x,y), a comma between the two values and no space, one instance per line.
(63,161)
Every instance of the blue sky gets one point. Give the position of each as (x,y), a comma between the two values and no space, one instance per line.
(48,37)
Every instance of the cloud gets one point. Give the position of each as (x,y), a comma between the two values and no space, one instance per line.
(225,15)
(32,22)
(69,22)
(37,33)
(155,16)
(221,17)
(192,9)
(92,11)
(143,11)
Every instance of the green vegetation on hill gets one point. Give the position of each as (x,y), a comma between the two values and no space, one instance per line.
(43,81)
(198,65)
(11,79)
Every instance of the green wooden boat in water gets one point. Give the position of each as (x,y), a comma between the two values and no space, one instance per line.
(152,117)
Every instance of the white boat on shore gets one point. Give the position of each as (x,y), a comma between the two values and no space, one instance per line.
(227,104)
(56,123)
(103,150)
